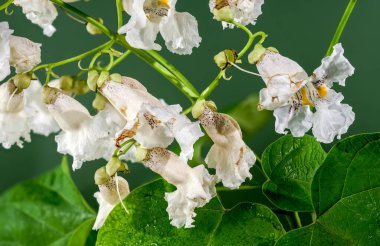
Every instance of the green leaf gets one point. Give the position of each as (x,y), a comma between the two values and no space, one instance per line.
(346,195)
(48,210)
(148,224)
(290,164)
(249,118)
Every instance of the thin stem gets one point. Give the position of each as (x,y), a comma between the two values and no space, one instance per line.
(119,9)
(6,5)
(207,92)
(243,70)
(243,187)
(289,220)
(121,58)
(118,193)
(116,152)
(75,58)
(127,148)
(314,217)
(341,26)
(298,219)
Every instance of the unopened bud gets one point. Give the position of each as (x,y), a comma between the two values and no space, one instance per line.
(141,153)
(225,57)
(103,77)
(66,83)
(99,102)
(101,177)
(115,77)
(92,29)
(49,95)
(22,80)
(80,87)
(92,78)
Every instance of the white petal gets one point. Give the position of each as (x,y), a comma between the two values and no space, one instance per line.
(246,11)
(25,54)
(332,118)
(108,198)
(140,32)
(229,155)
(39,12)
(180,32)
(297,121)
(195,186)
(335,68)
(5,51)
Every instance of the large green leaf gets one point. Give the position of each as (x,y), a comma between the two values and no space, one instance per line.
(148,224)
(48,210)
(290,164)
(346,194)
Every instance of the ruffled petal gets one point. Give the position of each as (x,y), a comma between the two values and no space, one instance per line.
(5,51)
(297,121)
(332,119)
(25,54)
(195,186)
(180,32)
(334,68)
(39,12)
(108,198)
(246,11)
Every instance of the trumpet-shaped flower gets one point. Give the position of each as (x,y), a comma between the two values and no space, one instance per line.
(83,136)
(5,51)
(229,155)
(149,17)
(108,196)
(291,94)
(195,186)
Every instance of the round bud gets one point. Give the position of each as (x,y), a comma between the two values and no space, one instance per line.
(99,102)
(22,80)
(80,87)
(66,83)
(92,29)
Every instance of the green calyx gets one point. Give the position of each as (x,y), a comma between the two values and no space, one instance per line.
(92,78)
(199,107)
(258,52)
(66,83)
(99,102)
(116,165)
(103,77)
(101,177)
(224,58)
(94,30)
(49,94)
(223,14)
(22,81)
(141,153)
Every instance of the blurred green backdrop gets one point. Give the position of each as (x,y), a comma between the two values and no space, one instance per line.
(299,29)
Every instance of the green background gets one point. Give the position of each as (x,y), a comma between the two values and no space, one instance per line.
(299,29)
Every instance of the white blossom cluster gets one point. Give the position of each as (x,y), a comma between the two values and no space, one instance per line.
(299,101)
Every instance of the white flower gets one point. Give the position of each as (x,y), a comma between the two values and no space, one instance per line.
(195,186)
(149,17)
(229,155)
(39,12)
(292,97)
(243,11)
(83,136)
(5,51)
(13,119)
(108,198)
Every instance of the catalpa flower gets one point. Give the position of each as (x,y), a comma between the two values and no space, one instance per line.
(149,17)
(150,122)
(83,136)
(242,11)
(291,94)
(195,186)
(108,196)
(18,52)
(22,111)
(229,155)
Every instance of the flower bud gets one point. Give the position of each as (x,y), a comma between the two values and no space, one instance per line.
(103,77)
(141,153)
(66,83)
(92,29)
(101,177)
(92,78)
(224,58)
(80,87)
(22,80)
(99,102)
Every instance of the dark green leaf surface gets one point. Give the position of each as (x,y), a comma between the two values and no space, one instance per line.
(148,224)
(346,195)
(290,164)
(48,210)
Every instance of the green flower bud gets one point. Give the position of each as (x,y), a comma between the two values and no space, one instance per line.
(92,78)
(103,77)
(256,54)
(101,177)
(66,83)
(99,102)
(22,80)
(92,29)
(49,95)
(225,57)
(198,108)
(116,77)
(80,87)
(141,153)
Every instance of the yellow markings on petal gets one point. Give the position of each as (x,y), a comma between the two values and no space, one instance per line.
(322,90)
(164,3)
(305,98)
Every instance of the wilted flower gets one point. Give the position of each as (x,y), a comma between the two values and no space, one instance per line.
(83,136)
(108,196)
(229,155)
(195,186)
(242,11)
(148,17)
(291,93)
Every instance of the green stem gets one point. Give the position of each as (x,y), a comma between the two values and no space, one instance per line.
(116,152)
(6,5)
(290,222)
(243,187)
(298,219)
(341,26)
(75,58)
(119,10)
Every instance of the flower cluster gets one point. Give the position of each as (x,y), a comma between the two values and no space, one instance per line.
(133,125)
